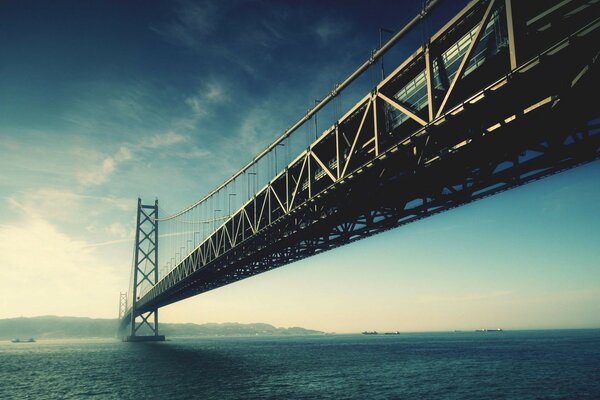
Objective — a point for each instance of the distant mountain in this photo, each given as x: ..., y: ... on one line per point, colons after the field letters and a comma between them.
x: 52, y: 327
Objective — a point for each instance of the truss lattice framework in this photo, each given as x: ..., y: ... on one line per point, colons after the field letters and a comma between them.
x: 122, y: 305
x: 145, y: 271
x: 507, y: 111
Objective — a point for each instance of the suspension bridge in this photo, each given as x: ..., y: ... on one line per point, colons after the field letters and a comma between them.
x: 502, y: 95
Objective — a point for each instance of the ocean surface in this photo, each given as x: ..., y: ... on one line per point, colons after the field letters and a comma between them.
x: 504, y: 365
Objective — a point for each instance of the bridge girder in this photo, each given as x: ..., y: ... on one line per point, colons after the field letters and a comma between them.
x: 520, y: 116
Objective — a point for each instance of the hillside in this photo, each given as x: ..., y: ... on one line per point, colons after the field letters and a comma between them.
x: 53, y: 327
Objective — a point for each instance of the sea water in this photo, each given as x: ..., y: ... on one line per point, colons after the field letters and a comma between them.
x: 562, y: 364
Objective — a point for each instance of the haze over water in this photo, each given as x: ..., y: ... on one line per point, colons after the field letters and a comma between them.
x: 467, y: 365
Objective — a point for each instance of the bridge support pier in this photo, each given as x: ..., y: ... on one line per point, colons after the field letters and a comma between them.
x: 158, y: 338
x: 145, y: 272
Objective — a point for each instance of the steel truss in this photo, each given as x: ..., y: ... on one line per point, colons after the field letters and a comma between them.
x: 369, y: 173
x: 122, y: 305
x: 145, y: 272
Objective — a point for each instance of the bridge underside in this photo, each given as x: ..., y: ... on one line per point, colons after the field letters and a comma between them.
x: 535, y: 120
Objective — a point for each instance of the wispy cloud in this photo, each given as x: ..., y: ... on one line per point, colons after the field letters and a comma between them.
x: 168, y: 141
x: 99, y: 174
x: 67, y: 216
x: 63, y: 205
x: 211, y: 93
x: 256, y: 128
x: 118, y: 230
x: 193, y: 153
x: 169, y: 138
x: 8, y: 143
x: 191, y: 23
x: 115, y: 108
x: 110, y: 242
x: 329, y: 30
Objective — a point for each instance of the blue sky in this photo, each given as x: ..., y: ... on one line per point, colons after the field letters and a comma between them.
x: 102, y: 102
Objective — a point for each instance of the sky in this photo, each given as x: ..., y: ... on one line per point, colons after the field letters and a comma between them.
x: 105, y: 101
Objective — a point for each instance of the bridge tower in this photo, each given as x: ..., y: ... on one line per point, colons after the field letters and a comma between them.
x: 145, y: 272
x: 122, y: 305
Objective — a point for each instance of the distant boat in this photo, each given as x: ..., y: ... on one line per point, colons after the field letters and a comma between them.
x: 392, y: 333
x: 17, y: 340
x: 489, y: 330
x: 370, y: 333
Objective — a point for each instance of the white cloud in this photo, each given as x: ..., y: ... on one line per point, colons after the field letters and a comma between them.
x: 130, y: 104
x: 118, y: 230
x: 194, y: 152
x: 257, y: 128
x: 53, y: 203
x: 67, y: 207
x: 214, y: 92
x: 111, y: 242
x: 43, y: 271
x: 99, y: 174
x: 211, y: 93
x: 124, y: 154
x: 123, y: 109
x: 8, y: 143
x: 169, y: 138
x: 328, y: 30
x: 196, y: 105
x: 95, y: 176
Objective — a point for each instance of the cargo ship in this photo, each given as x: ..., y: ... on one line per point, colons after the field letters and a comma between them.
x: 17, y: 340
